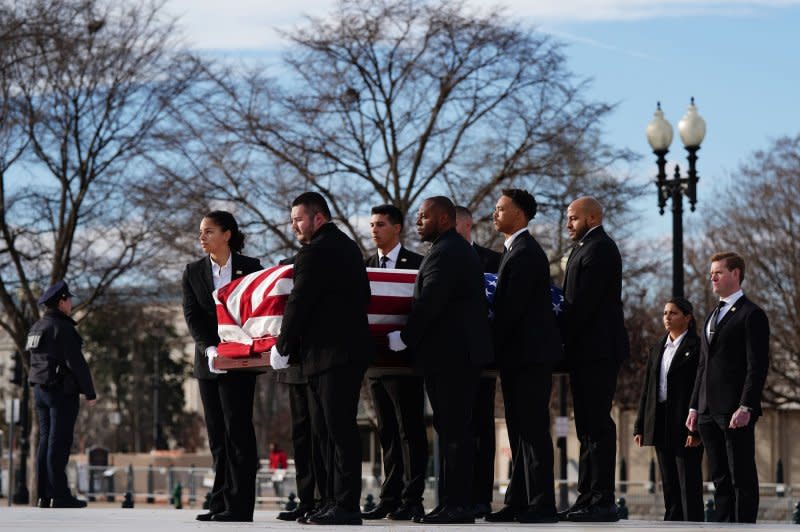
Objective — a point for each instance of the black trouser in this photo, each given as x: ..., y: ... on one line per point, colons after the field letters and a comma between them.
x: 732, y: 462
x: 681, y: 474
x: 483, y: 416
x: 336, y: 391
x: 452, y: 396
x: 228, y: 405
x: 57, y: 414
x: 400, y: 410
x: 526, y: 396
x: 593, y: 384
x: 308, y: 442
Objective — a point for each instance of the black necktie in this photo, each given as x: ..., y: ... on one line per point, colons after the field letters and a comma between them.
x: 712, y: 326
x: 384, y: 260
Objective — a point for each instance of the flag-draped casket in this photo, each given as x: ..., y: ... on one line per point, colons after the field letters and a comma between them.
x: 250, y: 311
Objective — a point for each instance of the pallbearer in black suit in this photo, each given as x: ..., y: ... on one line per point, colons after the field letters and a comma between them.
x: 726, y: 400
x: 527, y: 344
x: 668, y: 383
x: 325, y: 330
x: 483, y: 411
x: 309, y: 443
x: 448, y: 334
x: 227, y: 396
x: 595, y: 343
x: 399, y: 399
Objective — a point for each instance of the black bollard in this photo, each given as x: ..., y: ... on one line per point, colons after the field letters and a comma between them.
x: 711, y: 512
x: 623, y: 477
x: 622, y: 508
x: 151, y: 488
x: 170, y: 484
x: 127, y: 499
x: 652, y: 476
x: 796, y: 514
x: 291, y: 504
x: 177, y: 496
x: 110, y: 491
x: 369, y: 503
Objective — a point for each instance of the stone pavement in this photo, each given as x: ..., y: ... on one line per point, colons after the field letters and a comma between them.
x: 151, y: 519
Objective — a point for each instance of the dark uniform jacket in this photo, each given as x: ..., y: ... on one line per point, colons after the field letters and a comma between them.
x: 199, y: 308
x: 490, y: 259
x: 325, y: 318
x: 448, y: 326
x: 733, y: 367
x: 680, y: 382
x: 406, y: 260
x: 56, y: 357
x: 524, y: 326
x: 593, y: 321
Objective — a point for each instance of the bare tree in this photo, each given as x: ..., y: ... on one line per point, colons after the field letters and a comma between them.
x: 395, y: 100
x: 85, y: 87
x: 759, y: 217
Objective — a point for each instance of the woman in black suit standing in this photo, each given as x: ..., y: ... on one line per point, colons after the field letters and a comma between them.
x: 667, y: 388
x: 227, y: 396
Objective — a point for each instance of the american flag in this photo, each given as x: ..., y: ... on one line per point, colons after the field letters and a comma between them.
x: 250, y: 309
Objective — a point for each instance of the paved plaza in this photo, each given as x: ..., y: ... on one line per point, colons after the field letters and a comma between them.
x: 168, y: 520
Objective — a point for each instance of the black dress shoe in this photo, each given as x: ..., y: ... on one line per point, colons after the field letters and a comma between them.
x: 380, y: 511
x: 596, y: 513
x: 450, y: 515
x: 563, y: 514
x: 537, y: 514
x: 72, y: 502
x: 407, y: 512
x: 337, y: 516
x: 44, y: 502
x: 317, y: 510
x: 229, y: 517
x: 205, y: 517
x: 481, y: 510
x: 435, y: 511
x: 507, y: 514
x: 293, y: 515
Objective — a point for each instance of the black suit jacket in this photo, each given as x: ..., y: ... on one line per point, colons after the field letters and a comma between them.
x: 406, y: 260
x: 733, y: 367
x: 448, y: 325
x: 325, y: 318
x: 680, y: 383
x: 490, y: 259
x: 199, y: 308
x: 593, y: 322
x: 524, y: 327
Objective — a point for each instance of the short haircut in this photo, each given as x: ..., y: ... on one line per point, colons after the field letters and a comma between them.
x: 463, y: 212
x: 314, y: 203
x: 733, y: 261
x: 391, y: 212
x: 522, y: 199
x: 444, y: 204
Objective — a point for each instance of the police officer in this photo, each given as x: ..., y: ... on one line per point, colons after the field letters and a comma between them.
x: 59, y: 374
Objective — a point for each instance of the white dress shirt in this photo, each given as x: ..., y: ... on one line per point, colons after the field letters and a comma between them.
x: 221, y: 274
x: 391, y: 257
x: 670, y: 348
x: 729, y: 302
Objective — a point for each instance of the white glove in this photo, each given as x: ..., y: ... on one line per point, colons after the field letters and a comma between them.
x: 395, y: 342
x: 276, y: 360
x: 211, y: 354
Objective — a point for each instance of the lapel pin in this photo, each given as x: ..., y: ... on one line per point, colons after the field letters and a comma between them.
x: 403, y: 259
x: 238, y: 272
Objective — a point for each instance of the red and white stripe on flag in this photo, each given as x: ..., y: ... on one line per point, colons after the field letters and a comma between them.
x: 250, y: 309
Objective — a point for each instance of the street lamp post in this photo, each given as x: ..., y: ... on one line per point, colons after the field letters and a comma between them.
x: 692, y: 129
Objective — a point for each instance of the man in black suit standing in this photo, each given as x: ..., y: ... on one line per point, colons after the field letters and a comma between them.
x: 483, y: 410
x: 399, y: 399
x: 726, y: 401
x: 595, y: 344
x: 527, y: 344
x: 325, y: 330
x: 448, y: 334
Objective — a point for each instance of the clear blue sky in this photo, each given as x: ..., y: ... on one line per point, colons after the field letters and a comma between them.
x: 740, y: 60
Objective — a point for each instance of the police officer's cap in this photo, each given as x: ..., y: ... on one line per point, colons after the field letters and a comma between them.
x: 60, y: 290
